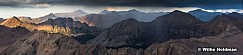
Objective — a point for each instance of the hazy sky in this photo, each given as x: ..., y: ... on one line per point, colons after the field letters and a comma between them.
x: 6, y: 11
x: 173, y: 3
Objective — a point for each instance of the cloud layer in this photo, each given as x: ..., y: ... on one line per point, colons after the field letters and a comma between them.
x: 129, y: 2
x: 169, y: 3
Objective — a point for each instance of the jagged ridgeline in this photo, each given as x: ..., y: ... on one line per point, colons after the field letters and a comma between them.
x: 176, y: 33
x: 58, y: 25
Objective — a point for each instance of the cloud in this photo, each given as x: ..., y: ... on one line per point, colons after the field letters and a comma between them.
x: 31, y: 1
x: 228, y: 10
x: 165, y: 3
x: 157, y: 2
x: 130, y: 2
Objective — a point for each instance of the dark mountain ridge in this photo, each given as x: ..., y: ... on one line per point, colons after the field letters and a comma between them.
x: 108, y: 18
x: 176, y: 25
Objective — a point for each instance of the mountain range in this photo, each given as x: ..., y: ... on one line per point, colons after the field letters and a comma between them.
x: 107, y: 18
x: 58, y: 25
x: 77, y: 13
x: 176, y: 25
x: 74, y: 14
x: 175, y: 33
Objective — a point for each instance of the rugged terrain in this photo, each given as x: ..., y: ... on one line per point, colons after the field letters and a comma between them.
x: 58, y: 25
x: 177, y: 33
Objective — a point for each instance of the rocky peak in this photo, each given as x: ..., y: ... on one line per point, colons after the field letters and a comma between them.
x: 178, y: 17
x: 128, y: 23
x: 13, y: 19
x: 11, y: 22
x: 178, y: 14
x: 51, y: 15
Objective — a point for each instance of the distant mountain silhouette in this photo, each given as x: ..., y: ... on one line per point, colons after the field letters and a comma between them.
x: 204, y: 15
x: 110, y: 18
x: 104, y: 12
x: 77, y: 13
x: 43, y: 19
